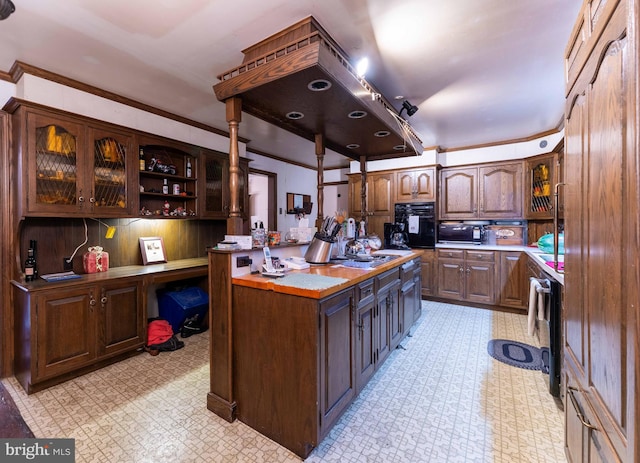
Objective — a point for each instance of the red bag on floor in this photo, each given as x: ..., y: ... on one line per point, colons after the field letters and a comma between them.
x: 158, y: 332
x: 160, y: 337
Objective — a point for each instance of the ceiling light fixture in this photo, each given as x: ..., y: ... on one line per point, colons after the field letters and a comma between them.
x: 319, y: 85
x: 411, y: 109
x: 362, y: 66
x: 6, y: 8
x: 295, y: 115
x: 353, y: 146
x: 357, y: 114
x: 382, y: 133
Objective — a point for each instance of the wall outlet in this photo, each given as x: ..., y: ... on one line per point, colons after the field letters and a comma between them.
x: 243, y: 261
x: 67, y: 264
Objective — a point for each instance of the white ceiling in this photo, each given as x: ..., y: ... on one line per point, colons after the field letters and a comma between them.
x: 480, y: 71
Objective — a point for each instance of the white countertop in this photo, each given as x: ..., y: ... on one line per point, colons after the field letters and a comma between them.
x: 533, y: 252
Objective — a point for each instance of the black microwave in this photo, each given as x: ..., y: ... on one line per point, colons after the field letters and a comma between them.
x: 458, y: 232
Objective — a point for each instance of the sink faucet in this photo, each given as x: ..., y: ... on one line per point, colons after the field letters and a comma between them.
x: 555, y: 225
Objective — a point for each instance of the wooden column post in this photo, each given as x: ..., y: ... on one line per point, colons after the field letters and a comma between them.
x: 363, y: 187
x: 320, y: 157
x: 234, y: 117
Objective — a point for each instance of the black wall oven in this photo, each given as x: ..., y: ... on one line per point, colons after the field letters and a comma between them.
x: 420, y: 223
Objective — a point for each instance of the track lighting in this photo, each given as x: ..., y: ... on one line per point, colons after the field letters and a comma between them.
x: 411, y: 109
x: 6, y: 8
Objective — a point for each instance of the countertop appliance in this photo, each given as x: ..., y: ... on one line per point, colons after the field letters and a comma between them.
x: 462, y: 232
x: 419, y: 221
x: 395, y: 236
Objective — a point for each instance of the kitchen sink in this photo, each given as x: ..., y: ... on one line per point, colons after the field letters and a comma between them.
x: 364, y: 261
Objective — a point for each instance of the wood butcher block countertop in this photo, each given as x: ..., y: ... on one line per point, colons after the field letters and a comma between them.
x: 332, y: 278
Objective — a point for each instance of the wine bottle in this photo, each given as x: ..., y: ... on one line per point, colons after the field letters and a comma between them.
x: 142, y: 161
x: 30, y: 264
x: 188, y: 170
x: 165, y: 187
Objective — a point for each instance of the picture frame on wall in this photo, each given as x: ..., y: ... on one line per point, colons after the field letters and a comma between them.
x: 152, y: 249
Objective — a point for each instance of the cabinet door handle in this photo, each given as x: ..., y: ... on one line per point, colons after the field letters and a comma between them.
x: 579, y: 414
x: 81, y: 199
x: 468, y: 269
x: 92, y: 302
x: 461, y: 269
x: 103, y: 300
x: 92, y: 200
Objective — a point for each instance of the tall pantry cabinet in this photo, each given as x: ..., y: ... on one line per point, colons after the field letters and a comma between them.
x: 601, y: 367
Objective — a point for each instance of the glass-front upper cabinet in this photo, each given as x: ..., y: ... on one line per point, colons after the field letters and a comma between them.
x: 53, y: 165
x: 72, y: 167
x: 216, y: 188
x: 540, y: 182
x: 111, y: 153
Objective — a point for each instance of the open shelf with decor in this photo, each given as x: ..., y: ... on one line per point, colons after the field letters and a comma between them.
x: 168, y: 182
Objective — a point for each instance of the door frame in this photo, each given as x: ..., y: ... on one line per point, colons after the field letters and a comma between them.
x: 272, y: 195
x: 6, y: 312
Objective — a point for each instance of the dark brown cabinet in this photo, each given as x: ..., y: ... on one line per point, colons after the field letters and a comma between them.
x: 337, y: 370
x: 293, y: 363
x: 492, y: 191
x: 388, y: 297
x: 429, y: 270
x: 512, y: 290
x: 368, y: 331
x: 540, y: 179
x: 215, y: 187
x: 377, y: 323
x: 466, y: 275
x: 71, y: 166
x: 379, y: 200
x: 410, y: 295
x: 601, y: 349
x: 415, y: 185
x: 66, y: 330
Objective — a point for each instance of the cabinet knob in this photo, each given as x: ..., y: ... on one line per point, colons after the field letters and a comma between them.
x: 92, y: 200
x: 461, y: 269
x: 81, y: 199
x: 92, y: 302
x: 468, y: 270
x: 103, y: 300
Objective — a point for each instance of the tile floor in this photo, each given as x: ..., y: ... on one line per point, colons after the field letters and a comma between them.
x: 443, y: 399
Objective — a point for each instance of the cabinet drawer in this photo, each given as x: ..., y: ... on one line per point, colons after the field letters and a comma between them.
x: 407, y: 270
x: 450, y: 254
x: 482, y: 256
x: 364, y: 292
x: 388, y: 278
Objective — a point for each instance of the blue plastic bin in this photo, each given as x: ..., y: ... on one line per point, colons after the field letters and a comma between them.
x: 177, y: 306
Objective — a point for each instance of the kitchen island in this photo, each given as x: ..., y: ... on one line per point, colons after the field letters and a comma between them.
x: 289, y: 355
